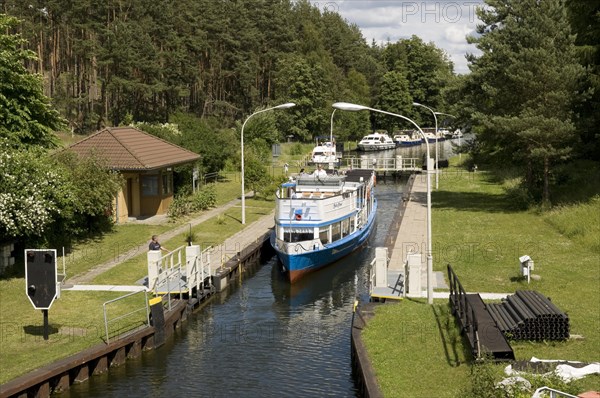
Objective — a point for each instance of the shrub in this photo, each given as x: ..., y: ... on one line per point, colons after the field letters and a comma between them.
x: 296, y: 149
x: 205, y: 198
x: 184, y: 205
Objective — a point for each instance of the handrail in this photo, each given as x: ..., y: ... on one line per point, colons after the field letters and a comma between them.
x: 385, y: 163
x: 466, y: 313
x: 553, y: 393
x: 107, y: 321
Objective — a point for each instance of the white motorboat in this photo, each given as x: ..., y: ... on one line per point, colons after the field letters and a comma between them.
x: 376, y: 142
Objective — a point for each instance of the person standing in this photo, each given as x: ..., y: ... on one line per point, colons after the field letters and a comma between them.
x: 155, y: 244
x: 319, y: 172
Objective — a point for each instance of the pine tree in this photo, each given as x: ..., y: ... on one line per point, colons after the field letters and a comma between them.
x: 26, y: 116
x: 523, y: 87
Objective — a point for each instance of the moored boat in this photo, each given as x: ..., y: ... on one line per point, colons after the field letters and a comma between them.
x: 322, y: 218
x: 376, y: 142
x: 404, y: 139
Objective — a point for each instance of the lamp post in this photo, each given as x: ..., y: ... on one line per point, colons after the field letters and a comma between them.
x: 447, y: 114
x: 282, y: 106
x: 331, y: 130
x: 354, y: 107
x: 436, y: 140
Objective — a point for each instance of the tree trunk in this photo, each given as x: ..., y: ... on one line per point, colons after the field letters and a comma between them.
x: 546, y: 193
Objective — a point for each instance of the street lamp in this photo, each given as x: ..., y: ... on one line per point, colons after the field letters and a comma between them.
x: 354, y: 108
x: 282, y: 106
x: 447, y: 114
x: 331, y: 129
x: 436, y: 140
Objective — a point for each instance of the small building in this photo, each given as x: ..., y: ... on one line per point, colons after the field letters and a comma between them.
x: 145, y: 161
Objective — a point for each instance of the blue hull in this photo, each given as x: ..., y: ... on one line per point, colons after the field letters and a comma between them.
x: 298, y: 264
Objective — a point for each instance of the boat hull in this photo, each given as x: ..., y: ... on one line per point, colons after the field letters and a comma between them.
x: 298, y: 265
x: 371, y: 147
x: 404, y: 144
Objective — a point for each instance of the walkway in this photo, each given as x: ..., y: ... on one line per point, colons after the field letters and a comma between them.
x: 412, y: 235
x: 412, y: 238
x: 248, y: 234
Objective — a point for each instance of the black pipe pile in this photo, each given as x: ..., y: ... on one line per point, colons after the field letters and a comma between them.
x: 528, y: 315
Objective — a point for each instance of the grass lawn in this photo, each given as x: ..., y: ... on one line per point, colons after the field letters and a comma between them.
x: 76, y: 322
x: 476, y: 231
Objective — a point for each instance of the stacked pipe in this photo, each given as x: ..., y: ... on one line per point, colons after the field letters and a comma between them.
x: 528, y: 315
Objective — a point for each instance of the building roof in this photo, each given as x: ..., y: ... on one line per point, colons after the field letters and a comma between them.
x: 127, y: 148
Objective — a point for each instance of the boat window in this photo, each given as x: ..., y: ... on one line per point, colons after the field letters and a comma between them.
x: 296, y: 237
x: 352, y: 224
x: 336, y: 231
x: 345, y: 227
x: 324, y: 235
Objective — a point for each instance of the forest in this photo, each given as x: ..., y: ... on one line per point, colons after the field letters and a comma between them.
x: 109, y: 62
x: 530, y: 99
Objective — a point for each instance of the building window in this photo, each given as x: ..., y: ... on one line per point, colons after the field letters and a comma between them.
x: 167, y: 183
x: 150, y: 185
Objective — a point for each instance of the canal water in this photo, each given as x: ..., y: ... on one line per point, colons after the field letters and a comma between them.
x: 262, y: 337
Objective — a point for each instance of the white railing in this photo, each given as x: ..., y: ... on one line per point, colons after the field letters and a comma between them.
x: 197, y: 267
x: 397, y: 163
x: 168, y: 274
x: 108, y: 320
x: 540, y: 392
x: 159, y: 264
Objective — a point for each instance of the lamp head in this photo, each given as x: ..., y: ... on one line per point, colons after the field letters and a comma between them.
x: 285, y: 106
x: 416, y: 104
x: 346, y: 106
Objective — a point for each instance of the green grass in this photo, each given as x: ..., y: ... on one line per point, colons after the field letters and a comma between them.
x: 416, y: 350
x: 76, y: 322
x: 211, y: 232
x: 477, y: 231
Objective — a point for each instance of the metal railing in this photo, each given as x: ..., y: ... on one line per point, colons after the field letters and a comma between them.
x: 198, y: 270
x: 388, y: 164
x: 168, y: 262
x: 168, y: 276
x: 108, y: 321
x: 553, y: 393
x: 464, y: 310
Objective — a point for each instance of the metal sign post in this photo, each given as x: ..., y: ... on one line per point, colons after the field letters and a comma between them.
x: 41, y: 280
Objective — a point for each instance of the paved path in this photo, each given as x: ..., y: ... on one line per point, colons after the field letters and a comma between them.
x: 220, y: 254
x: 225, y: 248
x: 412, y: 238
x: 412, y: 235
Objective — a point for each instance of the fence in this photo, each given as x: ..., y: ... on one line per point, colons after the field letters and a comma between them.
x: 129, y: 314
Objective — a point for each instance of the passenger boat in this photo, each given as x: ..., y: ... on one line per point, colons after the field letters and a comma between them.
x: 320, y: 219
x: 376, y: 142
x: 406, y: 139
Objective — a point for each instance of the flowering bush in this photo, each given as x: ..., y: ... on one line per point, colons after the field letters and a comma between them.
x: 31, y: 193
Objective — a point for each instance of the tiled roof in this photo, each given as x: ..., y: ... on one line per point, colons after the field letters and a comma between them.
x: 127, y: 148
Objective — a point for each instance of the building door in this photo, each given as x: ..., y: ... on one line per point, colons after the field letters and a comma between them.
x: 129, y: 197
